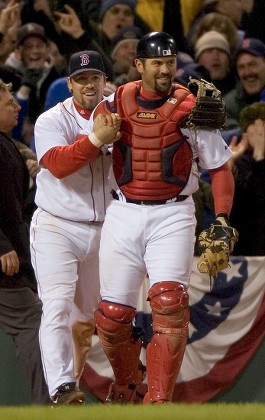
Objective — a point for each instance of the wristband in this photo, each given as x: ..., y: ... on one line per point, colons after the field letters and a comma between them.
x: 94, y: 140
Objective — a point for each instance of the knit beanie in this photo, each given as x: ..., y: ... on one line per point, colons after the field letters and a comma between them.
x: 211, y: 39
x: 250, y: 114
x: 132, y: 33
x: 107, y: 4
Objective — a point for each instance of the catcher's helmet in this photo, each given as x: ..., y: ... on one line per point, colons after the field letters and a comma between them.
x: 156, y: 44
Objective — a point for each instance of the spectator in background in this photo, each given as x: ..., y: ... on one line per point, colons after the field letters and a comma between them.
x: 20, y: 307
x: 9, y: 25
x: 68, y: 25
x: 248, y: 211
x: 31, y: 161
x: 233, y: 9
x: 213, y: 62
x: 124, y: 52
x: 31, y: 58
x: 40, y: 12
x: 212, y: 51
x: 220, y: 23
x: 116, y: 14
x: 98, y: 36
x: 250, y: 68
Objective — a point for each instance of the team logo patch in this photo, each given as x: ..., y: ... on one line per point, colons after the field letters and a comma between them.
x: 167, y: 52
x: 147, y: 115
x: 172, y: 101
x: 84, y: 60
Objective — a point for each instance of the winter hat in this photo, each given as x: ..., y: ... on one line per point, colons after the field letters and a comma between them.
x: 30, y: 29
x: 250, y: 114
x: 107, y: 4
x: 211, y: 39
x: 128, y: 33
x: 85, y: 61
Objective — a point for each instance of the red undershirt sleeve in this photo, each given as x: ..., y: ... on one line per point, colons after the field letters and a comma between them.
x: 62, y: 161
x: 223, y: 186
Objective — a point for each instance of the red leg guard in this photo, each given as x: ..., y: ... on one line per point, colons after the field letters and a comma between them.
x: 114, y: 327
x: 170, y: 313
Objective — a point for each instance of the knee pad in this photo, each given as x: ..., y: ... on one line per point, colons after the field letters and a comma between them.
x: 170, y: 306
x: 114, y: 321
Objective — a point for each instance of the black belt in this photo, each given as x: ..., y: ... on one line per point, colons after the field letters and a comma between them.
x: 150, y: 202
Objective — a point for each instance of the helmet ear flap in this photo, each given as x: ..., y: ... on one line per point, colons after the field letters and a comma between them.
x: 156, y: 44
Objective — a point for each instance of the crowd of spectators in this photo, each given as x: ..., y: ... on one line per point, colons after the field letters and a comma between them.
x: 221, y: 41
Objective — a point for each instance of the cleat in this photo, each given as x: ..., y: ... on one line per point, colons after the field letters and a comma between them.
x: 68, y: 394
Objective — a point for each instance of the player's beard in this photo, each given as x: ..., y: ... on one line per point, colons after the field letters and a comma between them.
x: 90, y: 103
x: 163, y: 86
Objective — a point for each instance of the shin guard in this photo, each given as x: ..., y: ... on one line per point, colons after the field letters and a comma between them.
x: 122, y: 347
x: 170, y: 313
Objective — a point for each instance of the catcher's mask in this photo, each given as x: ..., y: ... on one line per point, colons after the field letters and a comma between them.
x: 156, y: 44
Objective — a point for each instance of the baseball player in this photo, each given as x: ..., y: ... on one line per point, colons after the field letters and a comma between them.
x: 72, y: 196
x: 150, y: 224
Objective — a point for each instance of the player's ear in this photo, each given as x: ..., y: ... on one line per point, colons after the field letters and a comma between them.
x: 139, y: 65
x: 69, y: 84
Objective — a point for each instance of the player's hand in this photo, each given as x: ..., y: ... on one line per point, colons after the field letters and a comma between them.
x: 107, y: 127
x: 10, y: 263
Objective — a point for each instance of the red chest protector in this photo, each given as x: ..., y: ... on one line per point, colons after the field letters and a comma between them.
x: 152, y: 161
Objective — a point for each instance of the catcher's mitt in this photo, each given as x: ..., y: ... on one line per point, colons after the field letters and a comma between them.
x: 216, y: 244
x: 209, y: 112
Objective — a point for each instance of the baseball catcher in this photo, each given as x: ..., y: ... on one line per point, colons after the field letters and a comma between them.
x: 209, y: 111
x: 155, y: 169
x: 216, y: 245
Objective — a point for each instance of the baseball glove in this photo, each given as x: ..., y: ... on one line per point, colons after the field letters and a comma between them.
x: 216, y: 245
x: 209, y: 112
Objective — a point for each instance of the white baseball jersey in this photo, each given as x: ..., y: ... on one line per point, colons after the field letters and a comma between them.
x: 82, y: 196
x: 65, y: 234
